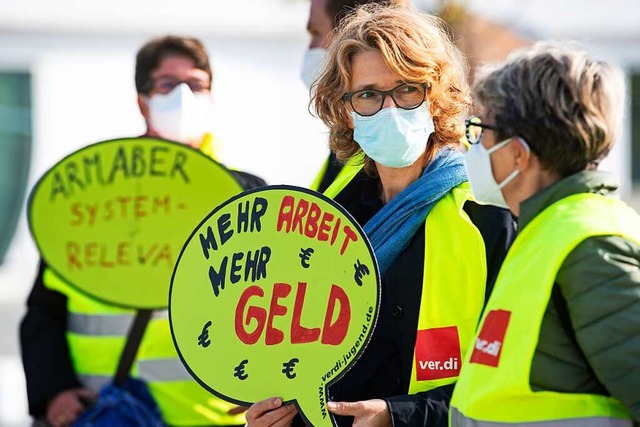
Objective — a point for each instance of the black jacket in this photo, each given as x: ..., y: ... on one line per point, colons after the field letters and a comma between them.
x: 384, y: 369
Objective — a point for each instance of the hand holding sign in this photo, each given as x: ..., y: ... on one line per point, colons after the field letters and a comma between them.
x: 286, y: 286
x: 111, y: 217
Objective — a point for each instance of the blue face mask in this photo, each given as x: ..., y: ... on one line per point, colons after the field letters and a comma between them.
x: 394, y: 137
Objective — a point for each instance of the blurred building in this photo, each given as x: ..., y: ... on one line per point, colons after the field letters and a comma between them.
x: 486, y: 31
x: 481, y: 40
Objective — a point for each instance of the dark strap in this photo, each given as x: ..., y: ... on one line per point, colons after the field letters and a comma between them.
x: 136, y: 332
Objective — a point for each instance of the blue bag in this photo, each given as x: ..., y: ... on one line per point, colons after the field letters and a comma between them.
x: 128, y: 405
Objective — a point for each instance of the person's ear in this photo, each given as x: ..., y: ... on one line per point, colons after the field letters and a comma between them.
x: 523, y: 154
x: 350, y: 121
x: 143, y: 107
x: 348, y: 110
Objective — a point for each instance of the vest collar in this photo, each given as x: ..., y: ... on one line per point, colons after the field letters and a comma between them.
x: 598, y: 182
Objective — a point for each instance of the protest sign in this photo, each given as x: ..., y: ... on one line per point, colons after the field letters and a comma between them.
x: 275, y: 293
x: 111, y: 218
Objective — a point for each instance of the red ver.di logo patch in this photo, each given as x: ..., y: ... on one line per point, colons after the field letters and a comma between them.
x: 437, y: 353
x: 488, y: 345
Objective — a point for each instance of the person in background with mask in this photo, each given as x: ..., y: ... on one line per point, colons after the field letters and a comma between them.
x: 173, y: 80
x: 324, y: 17
x: 394, y: 90
x: 559, y: 344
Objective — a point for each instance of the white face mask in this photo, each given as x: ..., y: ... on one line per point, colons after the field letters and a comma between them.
x: 477, y: 162
x: 311, y: 64
x: 394, y: 137
x: 180, y: 115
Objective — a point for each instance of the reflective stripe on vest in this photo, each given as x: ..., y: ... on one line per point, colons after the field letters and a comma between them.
x: 96, y: 325
x: 105, y: 325
x: 96, y: 335
x: 453, y: 290
x: 494, y: 386
x: 170, y: 369
x: 459, y: 420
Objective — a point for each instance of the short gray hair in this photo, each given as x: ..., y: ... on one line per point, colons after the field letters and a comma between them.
x: 567, y: 106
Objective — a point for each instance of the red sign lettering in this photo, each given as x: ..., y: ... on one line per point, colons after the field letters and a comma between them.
x: 308, y: 219
x: 334, y: 329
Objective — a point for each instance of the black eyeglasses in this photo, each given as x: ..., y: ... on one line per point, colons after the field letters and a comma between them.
x: 368, y: 102
x: 474, y: 128
x: 164, y: 85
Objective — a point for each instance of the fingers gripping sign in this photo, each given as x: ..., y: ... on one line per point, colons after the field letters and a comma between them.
x: 270, y: 412
x: 269, y: 275
x: 369, y: 413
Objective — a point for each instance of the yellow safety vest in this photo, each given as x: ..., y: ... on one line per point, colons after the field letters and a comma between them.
x: 494, y: 387
x: 210, y: 146
x: 453, y: 289
x: 96, y: 335
x: 348, y: 171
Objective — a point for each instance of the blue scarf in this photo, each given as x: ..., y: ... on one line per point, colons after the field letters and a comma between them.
x: 391, y: 229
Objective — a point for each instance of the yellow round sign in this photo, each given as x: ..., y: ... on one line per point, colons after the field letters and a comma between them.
x: 111, y: 218
x: 275, y: 293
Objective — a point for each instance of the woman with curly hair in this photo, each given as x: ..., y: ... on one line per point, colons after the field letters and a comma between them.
x: 394, y: 92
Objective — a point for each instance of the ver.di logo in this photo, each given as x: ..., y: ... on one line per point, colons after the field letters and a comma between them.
x: 488, y: 345
x: 437, y: 353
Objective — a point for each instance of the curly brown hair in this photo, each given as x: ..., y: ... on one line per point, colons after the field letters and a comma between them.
x: 417, y: 47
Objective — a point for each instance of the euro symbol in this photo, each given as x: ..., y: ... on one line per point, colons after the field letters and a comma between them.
x: 240, y: 371
x: 288, y: 368
x: 304, y: 255
x: 203, y: 338
x: 361, y: 270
